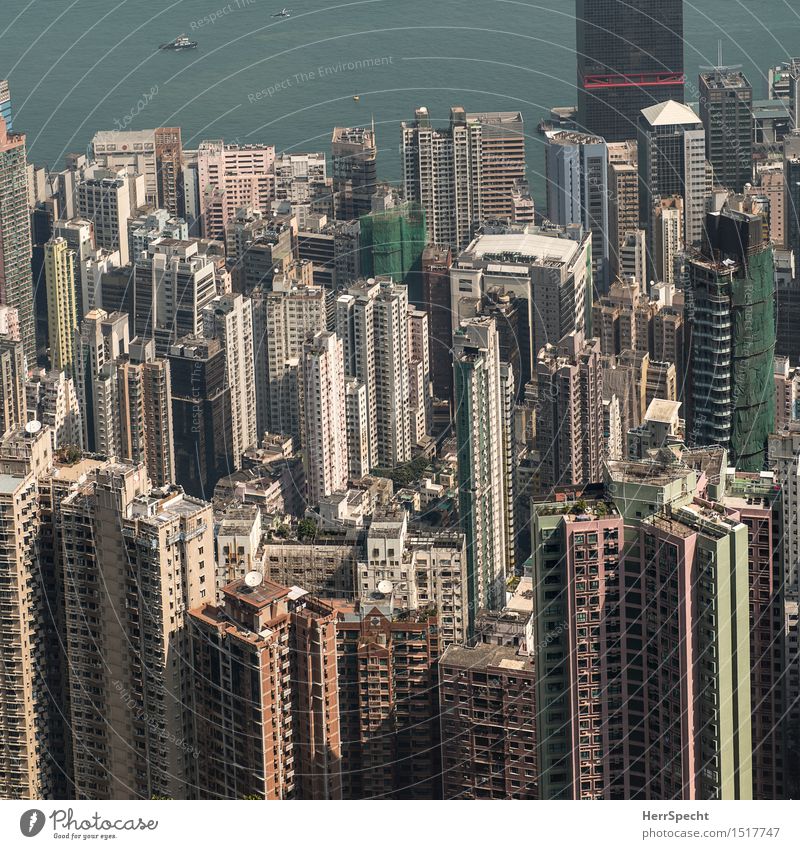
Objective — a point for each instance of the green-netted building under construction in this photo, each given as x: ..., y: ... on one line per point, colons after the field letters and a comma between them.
x: 731, y: 312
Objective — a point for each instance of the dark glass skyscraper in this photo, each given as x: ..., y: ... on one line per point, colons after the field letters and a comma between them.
x: 630, y: 56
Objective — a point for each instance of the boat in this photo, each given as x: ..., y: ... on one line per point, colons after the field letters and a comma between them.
x: 356, y: 98
x: 181, y: 43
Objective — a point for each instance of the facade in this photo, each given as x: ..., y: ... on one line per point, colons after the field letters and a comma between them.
x: 733, y: 339
x: 480, y: 432
x: 354, y: 156
x: 16, y: 281
x: 324, y: 415
x: 62, y: 317
x: 229, y: 318
x: 436, y: 262
x: 578, y: 193
x: 629, y: 57
x: 265, y: 667
x: 726, y: 109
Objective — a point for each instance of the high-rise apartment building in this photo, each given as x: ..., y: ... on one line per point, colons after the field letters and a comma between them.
x: 12, y: 383
x: 62, y: 317
x: 732, y: 325
x: 436, y: 262
x: 324, y: 416
x: 150, y: 559
x: 16, y: 281
x: 25, y: 767
x: 372, y: 321
x: 354, y: 156
x: 229, y: 318
x: 726, y: 109
x: 169, y: 169
x: 283, y: 319
x: 630, y: 56
x: 578, y: 192
x: 480, y: 432
x: 464, y: 174
x: 672, y: 161
x: 623, y: 198
x: 53, y: 401
x: 173, y: 283
x: 144, y: 390
x: 6, y: 111
x: 230, y: 177
x: 569, y: 431
x: 265, y: 673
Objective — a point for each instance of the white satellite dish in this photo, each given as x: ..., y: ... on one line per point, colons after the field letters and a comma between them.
x: 253, y: 579
x: 33, y: 427
x: 385, y: 587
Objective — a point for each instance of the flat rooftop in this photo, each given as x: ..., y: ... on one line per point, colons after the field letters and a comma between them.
x: 535, y: 246
x: 484, y: 656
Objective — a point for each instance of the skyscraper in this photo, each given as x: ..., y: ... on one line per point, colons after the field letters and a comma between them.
x: 354, y: 156
x: 481, y: 462
x: 672, y: 161
x: 16, y: 281
x: 325, y: 417
x: 731, y: 297
x: 578, y: 192
x: 62, y: 318
x: 630, y: 56
x: 726, y: 109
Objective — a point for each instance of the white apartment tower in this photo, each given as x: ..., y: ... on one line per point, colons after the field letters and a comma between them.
x: 324, y: 415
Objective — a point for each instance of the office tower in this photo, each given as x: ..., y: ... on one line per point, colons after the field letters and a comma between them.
x: 436, y: 262
x: 102, y: 338
x: 62, y: 317
x: 201, y: 414
x: 668, y: 238
x: 300, y: 177
x: 545, y: 267
x: 672, y: 161
x: 732, y: 325
x: 791, y: 175
x: 388, y: 701
x: 464, y: 174
x: 758, y: 504
x: 264, y: 664
x: 108, y: 199
x: 145, y: 411
x: 133, y: 151
x: 12, y: 383
x: 569, y: 429
x: 53, y: 401
x: 25, y: 768
x: 232, y: 176
x: 629, y: 57
x: 726, y: 109
x: 578, y: 192
x: 283, y: 318
x: 229, y: 318
x: 173, y: 283
x: 16, y: 282
x: 169, y: 169
x: 150, y: 561
x: 354, y: 157
x: 324, y: 415
x: 392, y: 241
x: 144, y: 229
x: 6, y: 110
x: 577, y: 548
x: 480, y: 441
x: 333, y: 247
x: 372, y: 322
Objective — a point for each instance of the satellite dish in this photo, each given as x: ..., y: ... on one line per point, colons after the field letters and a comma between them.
x: 33, y: 427
x: 385, y: 587
x: 253, y: 579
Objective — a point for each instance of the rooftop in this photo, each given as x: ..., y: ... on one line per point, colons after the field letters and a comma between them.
x: 670, y: 113
x: 532, y: 247
x: 485, y: 655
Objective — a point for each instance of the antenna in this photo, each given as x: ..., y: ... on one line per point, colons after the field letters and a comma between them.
x: 385, y: 587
